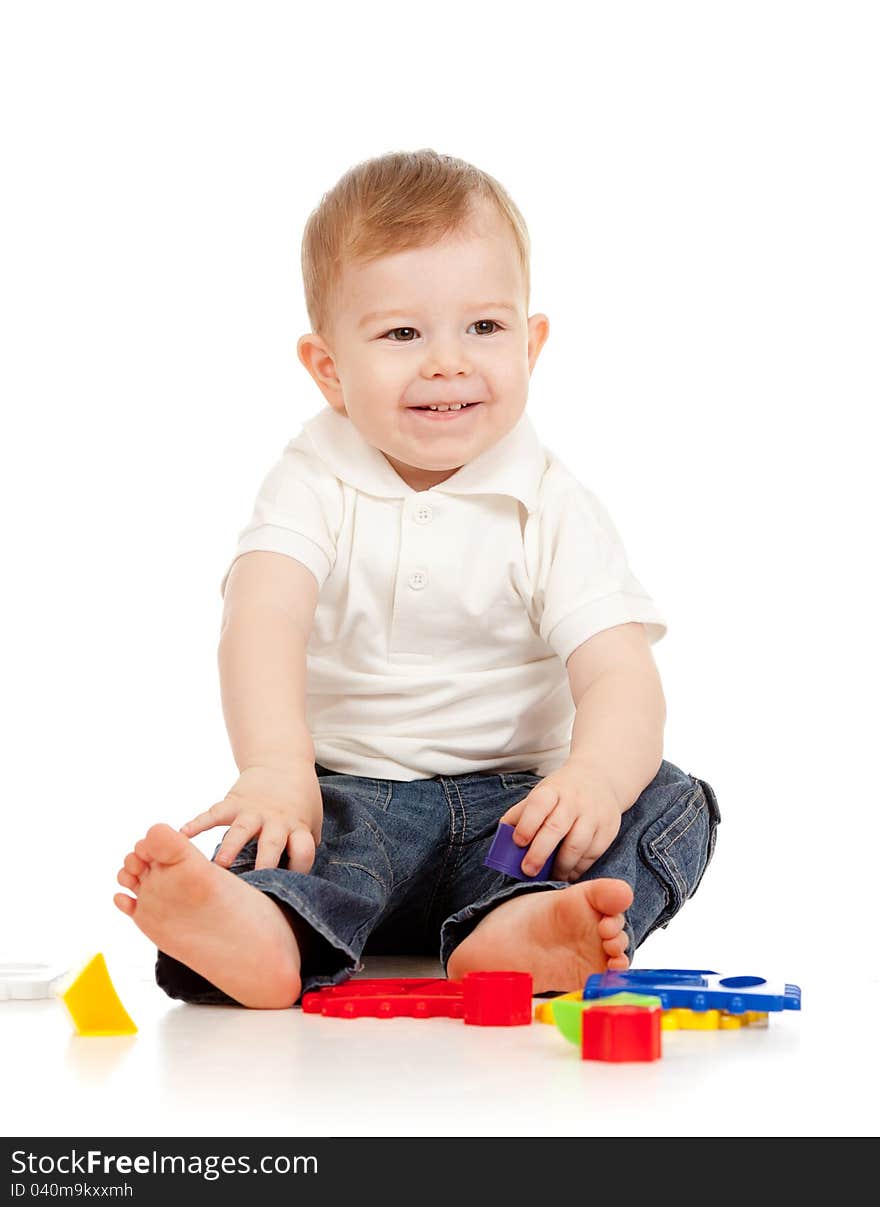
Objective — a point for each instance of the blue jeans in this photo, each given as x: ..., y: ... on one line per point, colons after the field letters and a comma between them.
x: 399, y: 869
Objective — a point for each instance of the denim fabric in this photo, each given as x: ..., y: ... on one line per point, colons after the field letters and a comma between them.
x: 399, y: 869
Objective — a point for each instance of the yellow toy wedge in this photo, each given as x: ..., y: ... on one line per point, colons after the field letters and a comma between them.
x: 92, y: 1002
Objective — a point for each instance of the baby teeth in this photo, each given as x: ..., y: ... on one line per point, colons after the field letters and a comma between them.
x: 456, y: 406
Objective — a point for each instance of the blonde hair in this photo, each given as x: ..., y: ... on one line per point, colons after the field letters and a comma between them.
x: 393, y: 203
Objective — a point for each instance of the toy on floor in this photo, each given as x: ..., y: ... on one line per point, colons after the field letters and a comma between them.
x: 92, y: 1002
x: 679, y: 1019
x: 505, y: 856
x: 27, y: 981
x: 392, y: 997
x: 568, y: 1014
x: 568, y: 1021
x: 497, y: 999
x: 697, y: 990
x: 618, y: 1033
x: 682, y: 1000
x: 481, y: 999
x: 544, y: 1010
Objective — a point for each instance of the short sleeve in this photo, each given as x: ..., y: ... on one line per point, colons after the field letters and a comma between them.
x: 582, y: 582
x: 297, y: 512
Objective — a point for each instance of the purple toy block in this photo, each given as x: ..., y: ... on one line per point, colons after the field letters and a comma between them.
x: 505, y: 856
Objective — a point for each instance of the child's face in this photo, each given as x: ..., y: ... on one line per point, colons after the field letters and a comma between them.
x: 450, y: 337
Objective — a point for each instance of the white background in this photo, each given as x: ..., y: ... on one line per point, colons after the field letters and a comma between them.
x: 700, y: 182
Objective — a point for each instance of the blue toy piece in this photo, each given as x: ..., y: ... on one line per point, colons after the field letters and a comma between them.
x: 505, y: 856
x: 697, y: 990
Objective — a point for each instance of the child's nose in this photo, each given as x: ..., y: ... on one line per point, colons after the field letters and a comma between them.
x: 446, y: 357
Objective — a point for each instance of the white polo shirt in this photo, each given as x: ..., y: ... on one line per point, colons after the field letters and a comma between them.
x: 444, y: 616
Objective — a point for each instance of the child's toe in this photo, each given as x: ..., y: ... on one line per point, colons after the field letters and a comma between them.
x: 610, y: 926
x: 134, y: 864
x: 616, y: 946
x: 127, y: 880
x: 164, y: 843
x: 126, y: 904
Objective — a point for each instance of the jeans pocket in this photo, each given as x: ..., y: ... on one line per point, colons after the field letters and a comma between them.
x: 518, y: 779
x: 714, y: 822
x: 678, y: 846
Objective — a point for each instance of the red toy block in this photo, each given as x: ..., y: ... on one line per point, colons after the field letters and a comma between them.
x: 390, y: 997
x: 497, y: 999
x: 618, y: 1033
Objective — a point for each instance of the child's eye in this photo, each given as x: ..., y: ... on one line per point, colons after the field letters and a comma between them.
x: 478, y: 323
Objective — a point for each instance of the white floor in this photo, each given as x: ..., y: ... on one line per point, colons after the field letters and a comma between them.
x: 225, y: 1071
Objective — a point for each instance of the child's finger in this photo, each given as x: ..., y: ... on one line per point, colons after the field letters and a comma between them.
x: 301, y: 849
x: 220, y: 814
x: 576, y: 845
x: 537, y: 807
x: 242, y: 830
x: 548, y: 837
x: 273, y: 839
x: 584, y: 864
x: 513, y: 814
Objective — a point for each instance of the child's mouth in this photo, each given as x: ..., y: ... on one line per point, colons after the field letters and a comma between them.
x: 439, y: 416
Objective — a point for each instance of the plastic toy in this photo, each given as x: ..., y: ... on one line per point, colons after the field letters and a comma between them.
x: 385, y: 986
x: 568, y: 1015
x: 679, y: 1019
x: 93, y: 1004
x: 544, y: 1010
x: 505, y: 856
x: 392, y: 997
x: 30, y: 981
x: 497, y: 999
x: 619, y: 1033
x: 697, y: 990
x: 483, y: 999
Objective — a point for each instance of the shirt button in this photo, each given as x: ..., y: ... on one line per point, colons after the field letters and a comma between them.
x: 423, y: 514
x: 418, y: 579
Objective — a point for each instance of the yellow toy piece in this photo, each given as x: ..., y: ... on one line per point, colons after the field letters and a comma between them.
x: 751, y: 1018
x: 93, y: 1004
x: 544, y: 1010
x: 680, y: 1019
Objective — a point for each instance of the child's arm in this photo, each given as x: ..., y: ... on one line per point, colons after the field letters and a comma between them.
x: 616, y: 750
x: 269, y: 608
x: 621, y: 710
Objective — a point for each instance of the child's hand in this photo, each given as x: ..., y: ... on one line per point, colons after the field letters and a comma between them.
x: 284, y: 807
x: 567, y: 804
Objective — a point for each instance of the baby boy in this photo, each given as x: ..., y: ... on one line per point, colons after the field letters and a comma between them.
x: 429, y: 626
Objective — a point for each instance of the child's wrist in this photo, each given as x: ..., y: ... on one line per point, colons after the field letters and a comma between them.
x: 280, y: 762
x: 594, y: 772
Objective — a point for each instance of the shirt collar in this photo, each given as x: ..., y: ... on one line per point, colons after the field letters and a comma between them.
x: 512, y: 466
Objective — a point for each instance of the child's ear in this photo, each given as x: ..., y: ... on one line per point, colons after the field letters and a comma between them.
x: 539, y: 329
x: 317, y: 356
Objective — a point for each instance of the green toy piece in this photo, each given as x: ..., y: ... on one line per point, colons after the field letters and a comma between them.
x: 567, y: 1014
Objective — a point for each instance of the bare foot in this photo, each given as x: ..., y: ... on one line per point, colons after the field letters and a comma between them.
x: 560, y: 936
x: 211, y: 920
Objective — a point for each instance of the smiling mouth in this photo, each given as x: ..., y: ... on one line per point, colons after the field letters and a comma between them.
x: 446, y: 408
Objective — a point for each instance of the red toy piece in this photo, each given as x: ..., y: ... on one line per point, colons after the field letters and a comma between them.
x: 391, y: 997
x: 498, y: 999
x: 618, y: 1033
x: 484, y: 999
